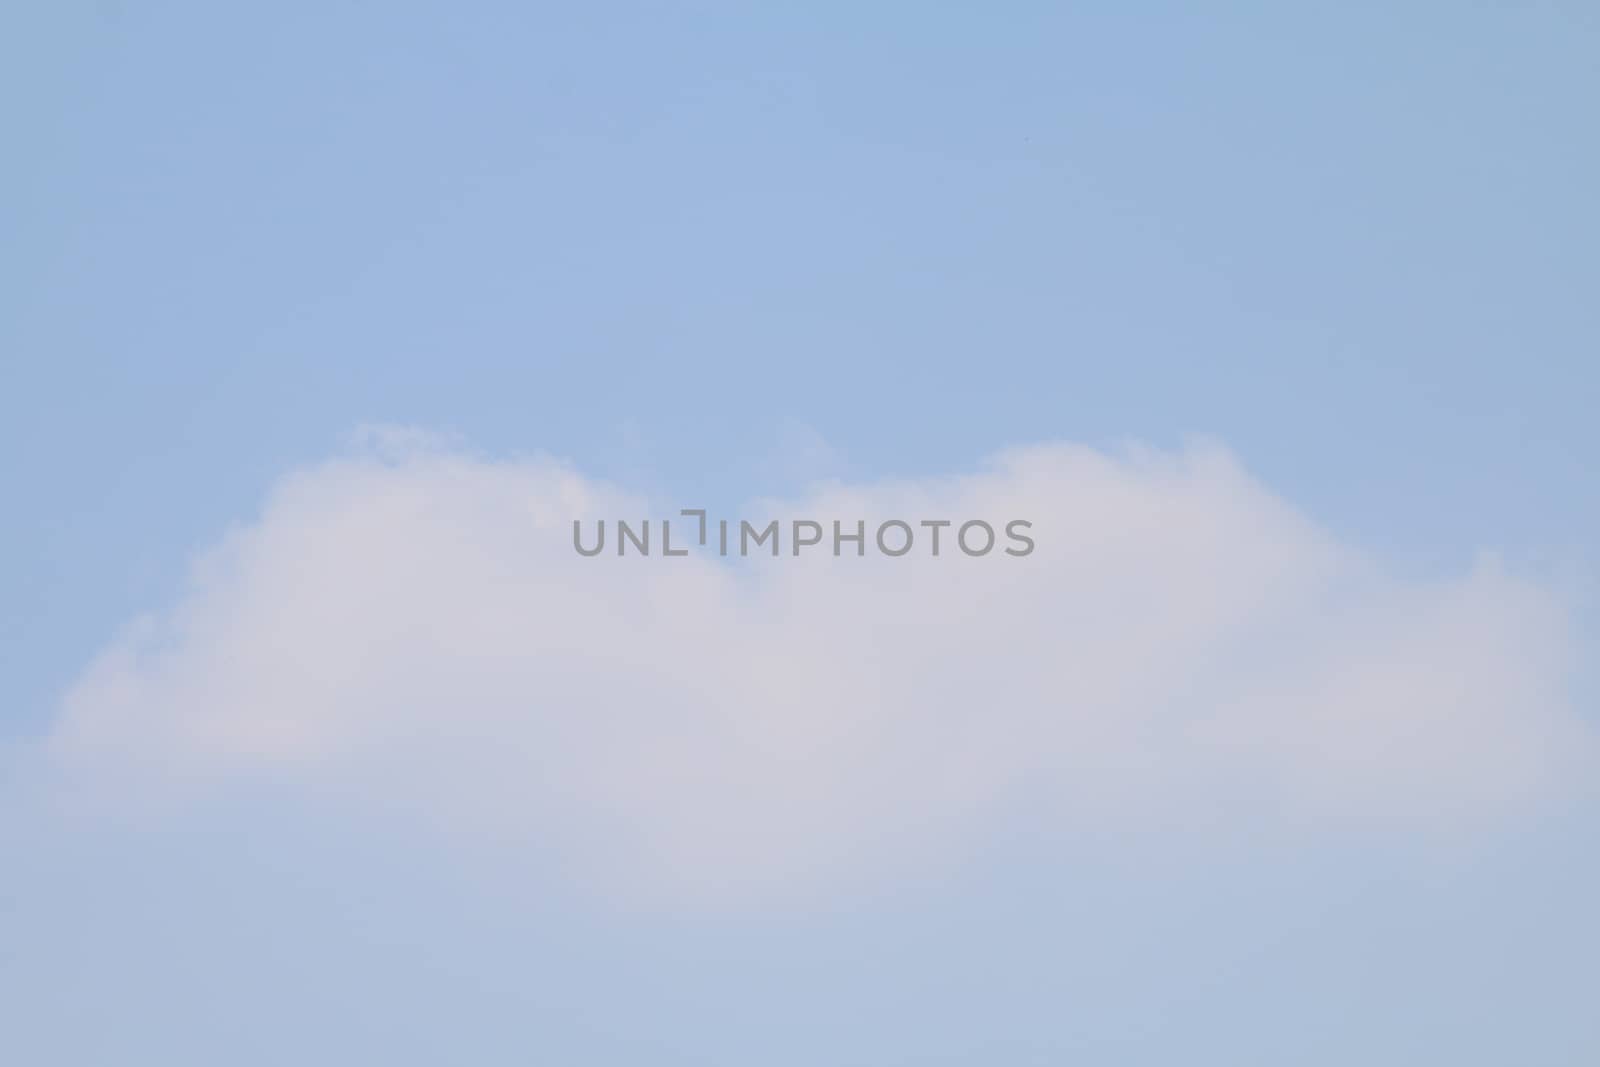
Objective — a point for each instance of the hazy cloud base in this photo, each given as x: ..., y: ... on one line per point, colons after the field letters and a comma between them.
x: 409, y: 625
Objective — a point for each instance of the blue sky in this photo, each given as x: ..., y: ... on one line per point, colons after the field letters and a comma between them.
x: 715, y: 253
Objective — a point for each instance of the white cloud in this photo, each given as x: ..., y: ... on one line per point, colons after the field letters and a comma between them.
x: 415, y: 628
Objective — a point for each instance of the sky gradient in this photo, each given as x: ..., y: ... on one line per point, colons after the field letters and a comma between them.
x: 1293, y: 311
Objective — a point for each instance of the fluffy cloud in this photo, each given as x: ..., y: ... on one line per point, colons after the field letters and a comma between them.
x: 414, y: 629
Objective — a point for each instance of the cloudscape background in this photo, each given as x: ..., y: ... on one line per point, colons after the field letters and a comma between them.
x: 319, y: 325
